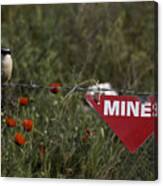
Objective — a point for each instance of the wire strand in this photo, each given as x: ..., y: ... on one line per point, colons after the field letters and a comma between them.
x: 76, y: 88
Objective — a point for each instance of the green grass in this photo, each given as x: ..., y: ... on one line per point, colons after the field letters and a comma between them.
x: 72, y: 44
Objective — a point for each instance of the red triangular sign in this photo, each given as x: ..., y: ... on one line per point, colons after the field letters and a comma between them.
x: 130, y: 119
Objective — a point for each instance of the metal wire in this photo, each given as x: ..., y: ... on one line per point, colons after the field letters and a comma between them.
x: 77, y: 88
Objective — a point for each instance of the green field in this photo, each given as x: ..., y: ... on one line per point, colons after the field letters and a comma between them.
x: 75, y: 44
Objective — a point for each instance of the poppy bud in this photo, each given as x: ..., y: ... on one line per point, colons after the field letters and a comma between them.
x: 84, y: 138
x: 42, y: 150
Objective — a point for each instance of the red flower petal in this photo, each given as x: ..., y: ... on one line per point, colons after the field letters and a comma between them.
x: 19, y: 139
x: 23, y: 101
x: 27, y: 124
x: 55, y: 87
x: 11, y: 122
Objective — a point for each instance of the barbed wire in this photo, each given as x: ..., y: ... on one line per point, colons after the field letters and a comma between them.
x: 77, y: 88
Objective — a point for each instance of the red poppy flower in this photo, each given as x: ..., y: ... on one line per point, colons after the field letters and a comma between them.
x: 11, y: 122
x: 19, y: 139
x: 23, y: 101
x: 55, y: 87
x: 27, y: 124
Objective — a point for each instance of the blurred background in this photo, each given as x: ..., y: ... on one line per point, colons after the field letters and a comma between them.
x: 72, y: 44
